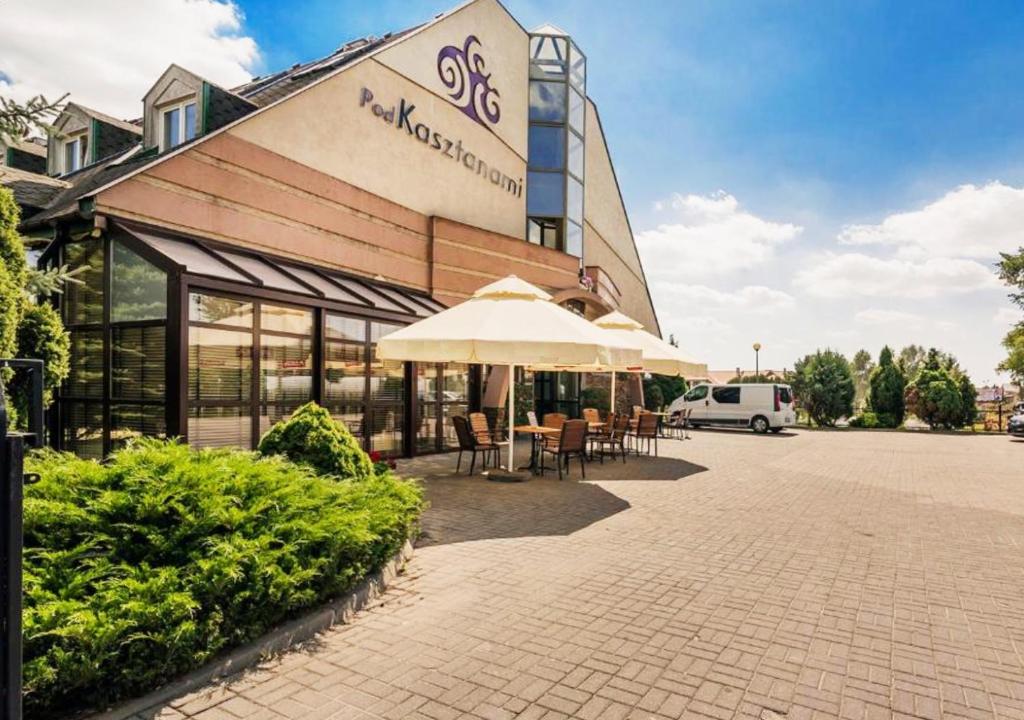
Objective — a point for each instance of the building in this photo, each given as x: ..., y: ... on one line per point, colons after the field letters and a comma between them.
x: 246, y: 247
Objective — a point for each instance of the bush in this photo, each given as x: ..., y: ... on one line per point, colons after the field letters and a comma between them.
x: 144, y: 568
x: 865, y: 420
x: 595, y: 396
x: 312, y: 437
x: 41, y: 335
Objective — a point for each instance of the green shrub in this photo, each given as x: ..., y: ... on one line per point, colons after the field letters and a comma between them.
x: 887, y: 385
x: 144, y: 568
x: 312, y: 437
x: 595, y: 396
x: 41, y: 335
x: 865, y: 420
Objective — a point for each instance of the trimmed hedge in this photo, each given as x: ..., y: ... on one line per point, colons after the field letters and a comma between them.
x: 146, y: 567
x: 311, y: 436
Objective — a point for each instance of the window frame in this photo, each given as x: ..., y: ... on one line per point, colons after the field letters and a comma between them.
x: 80, y: 140
x: 181, y: 106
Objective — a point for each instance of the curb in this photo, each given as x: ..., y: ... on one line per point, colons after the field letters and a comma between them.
x: 338, y: 612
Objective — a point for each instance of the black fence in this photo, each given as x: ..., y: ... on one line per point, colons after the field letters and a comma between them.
x: 12, y: 452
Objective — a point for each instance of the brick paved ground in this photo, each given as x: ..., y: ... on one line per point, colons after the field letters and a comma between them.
x: 818, y: 575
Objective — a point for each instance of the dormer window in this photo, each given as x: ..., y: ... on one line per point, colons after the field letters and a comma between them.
x: 75, y: 153
x: 179, y: 125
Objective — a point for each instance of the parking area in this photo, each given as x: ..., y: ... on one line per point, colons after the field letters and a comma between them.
x: 810, y: 574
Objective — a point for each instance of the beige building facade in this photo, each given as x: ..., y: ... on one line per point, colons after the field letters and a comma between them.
x: 287, y: 224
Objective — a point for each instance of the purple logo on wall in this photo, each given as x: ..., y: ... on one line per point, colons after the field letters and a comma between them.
x: 462, y: 72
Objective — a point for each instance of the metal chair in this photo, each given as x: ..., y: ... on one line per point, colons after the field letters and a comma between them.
x: 614, y: 436
x: 468, y: 442
x: 646, y: 430
x: 571, y: 441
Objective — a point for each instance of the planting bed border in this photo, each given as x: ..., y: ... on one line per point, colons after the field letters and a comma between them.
x: 338, y: 612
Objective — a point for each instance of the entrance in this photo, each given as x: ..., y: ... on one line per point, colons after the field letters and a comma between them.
x: 557, y: 392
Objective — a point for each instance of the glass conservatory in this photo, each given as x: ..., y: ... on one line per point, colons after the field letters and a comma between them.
x: 174, y: 336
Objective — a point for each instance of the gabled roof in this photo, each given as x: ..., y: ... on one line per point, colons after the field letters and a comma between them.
x: 104, y: 118
x: 31, y: 190
x: 265, y: 90
x: 32, y: 146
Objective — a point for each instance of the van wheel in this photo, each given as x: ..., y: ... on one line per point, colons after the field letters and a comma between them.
x: 760, y: 424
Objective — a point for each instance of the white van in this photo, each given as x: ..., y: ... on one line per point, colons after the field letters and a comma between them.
x: 760, y: 407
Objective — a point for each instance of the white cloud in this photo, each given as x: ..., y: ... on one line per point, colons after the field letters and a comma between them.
x: 712, y: 232
x: 1006, y: 316
x: 752, y: 298
x: 879, y: 316
x: 107, y: 53
x: 967, y: 222
x: 855, y: 274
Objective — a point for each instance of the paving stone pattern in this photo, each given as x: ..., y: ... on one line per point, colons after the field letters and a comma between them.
x: 806, y: 575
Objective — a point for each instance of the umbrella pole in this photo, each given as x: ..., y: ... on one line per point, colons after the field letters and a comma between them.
x: 613, y: 392
x: 511, y: 416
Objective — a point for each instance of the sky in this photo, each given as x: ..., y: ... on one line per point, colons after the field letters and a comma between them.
x: 803, y: 174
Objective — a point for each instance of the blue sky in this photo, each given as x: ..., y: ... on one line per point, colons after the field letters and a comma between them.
x: 804, y: 174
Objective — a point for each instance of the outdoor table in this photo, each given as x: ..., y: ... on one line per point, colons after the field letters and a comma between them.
x: 535, y: 431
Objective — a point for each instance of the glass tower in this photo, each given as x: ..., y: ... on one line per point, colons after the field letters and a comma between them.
x: 555, y: 172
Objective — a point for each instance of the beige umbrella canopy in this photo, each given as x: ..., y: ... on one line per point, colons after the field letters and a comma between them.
x: 659, y: 357
x: 509, y: 322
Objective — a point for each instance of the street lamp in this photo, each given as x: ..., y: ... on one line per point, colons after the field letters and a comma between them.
x: 757, y: 365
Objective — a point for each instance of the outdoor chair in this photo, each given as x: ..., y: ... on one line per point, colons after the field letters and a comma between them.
x: 554, y: 420
x: 645, y: 431
x: 468, y: 442
x: 614, y: 437
x: 675, y: 424
x: 592, y: 415
x: 531, y: 418
x: 571, y: 441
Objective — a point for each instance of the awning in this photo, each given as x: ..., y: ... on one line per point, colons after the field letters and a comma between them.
x: 247, y: 267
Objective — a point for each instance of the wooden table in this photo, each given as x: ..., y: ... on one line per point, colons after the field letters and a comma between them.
x: 535, y: 431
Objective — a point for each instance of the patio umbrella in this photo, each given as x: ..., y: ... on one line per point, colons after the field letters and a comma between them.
x: 509, y: 322
x: 660, y: 357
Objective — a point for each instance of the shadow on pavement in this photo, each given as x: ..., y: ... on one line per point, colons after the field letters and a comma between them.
x: 469, y: 507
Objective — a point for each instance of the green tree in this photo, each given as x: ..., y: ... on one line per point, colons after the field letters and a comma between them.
x: 887, y: 384
x: 1011, y: 272
x: 667, y: 386
x: 934, y: 397
x: 26, y: 330
x: 862, y: 366
x: 968, y: 400
x: 910, y: 359
x: 824, y: 386
x: 18, y: 119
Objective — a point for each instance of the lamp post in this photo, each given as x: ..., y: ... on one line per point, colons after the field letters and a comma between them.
x: 757, y: 365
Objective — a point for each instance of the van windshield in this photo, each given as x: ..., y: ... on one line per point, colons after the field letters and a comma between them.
x: 698, y: 393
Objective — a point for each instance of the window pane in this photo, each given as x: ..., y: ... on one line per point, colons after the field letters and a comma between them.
x: 427, y: 382
x: 352, y: 416
x: 575, y: 155
x: 286, y: 370
x: 71, y: 156
x: 387, y: 381
x: 545, y: 193
x: 547, y: 101
x: 138, y: 289
x: 577, y: 114
x: 456, y: 382
x: 190, y: 121
x: 545, y: 232
x: 382, y: 298
x: 547, y: 147
x: 448, y: 411
x: 730, y: 395
x: 574, y: 240
x: 426, y: 430
x: 128, y: 422
x: 85, y: 378
x: 220, y: 310
x: 345, y: 374
x: 387, y: 430
x: 84, y: 299
x: 266, y: 272
x: 219, y: 364
x: 577, y: 67
x: 219, y: 427
x: 341, y: 327
x: 83, y: 151
x: 83, y: 429
x: 380, y: 329
x: 329, y: 289
x: 575, y: 204
x: 172, y: 118
x: 548, y: 57
x: 286, y: 319
x: 138, y: 363
x: 194, y: 258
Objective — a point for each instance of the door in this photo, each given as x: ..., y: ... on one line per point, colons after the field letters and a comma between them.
x: 696, y: 399
x: 725, y: 407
